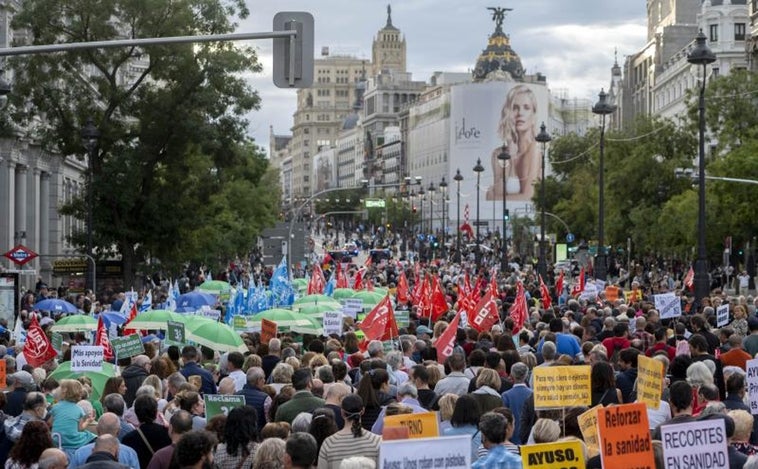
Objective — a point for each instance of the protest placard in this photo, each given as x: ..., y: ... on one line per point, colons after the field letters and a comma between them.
x: 562, y: 386
x: 751, y: 366
x: 216, y: 404
x: 695, y: 444
x: 128, y: 346
x: 214, y: 314
x: 668, y: 305
x: 403, y: 318
x: 564, y: 455
x: 56, y: 340
x: 423, y: 425
x: 649, y: 381
x: 175, y: 332
x: 722, y: 315
x: 588, y: 426
x: 352, y: 306
x: 87, y: 358
x: 332, y: 322
x: 625, y: 436
x: 268, y: 330
x: 239, y: 323
x: 450, y: 452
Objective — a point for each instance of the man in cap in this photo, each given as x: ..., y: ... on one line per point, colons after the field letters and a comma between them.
x: 20, y: 383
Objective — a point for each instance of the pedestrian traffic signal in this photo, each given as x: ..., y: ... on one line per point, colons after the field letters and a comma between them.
x: 506, y: 215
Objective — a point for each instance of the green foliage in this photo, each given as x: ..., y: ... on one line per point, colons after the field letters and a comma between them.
x: 174, y: 177
x: 731, y: 109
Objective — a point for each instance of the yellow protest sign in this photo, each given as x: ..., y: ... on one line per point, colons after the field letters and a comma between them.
x: 562, y: 386
x: 649, y: 381
x: 588, y: 426
x: 566, y: 454
x: 423, y: 425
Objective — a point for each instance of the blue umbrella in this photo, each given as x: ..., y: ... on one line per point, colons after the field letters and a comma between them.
x: 112, y: 317
x: 194, y: 300
x: 56, y: 305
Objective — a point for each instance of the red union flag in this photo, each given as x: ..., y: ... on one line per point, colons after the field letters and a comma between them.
x: 559, y: 285
x: 101, y: 338
x: 689, y: 279
x: 380, y: 323
x: 403, y: 295
x: 545, y: 292
x: 37, y: 349
x: 485, y: 313
x: 520, y: 310
x: 446, y: 341
x: 317, y: 282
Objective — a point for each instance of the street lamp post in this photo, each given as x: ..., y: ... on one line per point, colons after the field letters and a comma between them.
x: 601, y: 108
x: 504, y: 157
x: 90, y: 136
x: 544, y: 138
x: 701, y: 55
x: 421, y: 200
x: 458, y: 178
x: 431, y: 189
x: 443, y: 189
x: 478, y: 169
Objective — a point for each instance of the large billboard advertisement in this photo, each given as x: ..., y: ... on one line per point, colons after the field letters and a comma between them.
x: 324, y: 170
x: 484, y: 117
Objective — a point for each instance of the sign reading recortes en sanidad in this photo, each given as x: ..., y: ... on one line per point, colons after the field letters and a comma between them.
x: 450, y: 452
x: 128, y: 346
x: 221, y: 404
x: 562, y: 386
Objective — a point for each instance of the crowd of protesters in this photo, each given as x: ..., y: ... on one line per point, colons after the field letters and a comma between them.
x: 321, y: 401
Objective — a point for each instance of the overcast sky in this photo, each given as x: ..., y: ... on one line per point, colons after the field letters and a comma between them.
x: 572, y: 42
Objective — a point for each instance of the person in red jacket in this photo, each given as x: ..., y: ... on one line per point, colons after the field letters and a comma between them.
x: 660, y: 344
x: 618, y: 342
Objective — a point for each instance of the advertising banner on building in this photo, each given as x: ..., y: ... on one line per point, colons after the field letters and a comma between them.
x: 485, y: 119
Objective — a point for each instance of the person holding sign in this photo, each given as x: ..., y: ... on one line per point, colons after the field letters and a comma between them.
x: 493, y: 427
x: 352, y: 440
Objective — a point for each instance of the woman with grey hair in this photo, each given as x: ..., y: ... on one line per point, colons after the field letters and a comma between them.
x: 395, y: 361
x: 281, y: 376
x: 302, y: 422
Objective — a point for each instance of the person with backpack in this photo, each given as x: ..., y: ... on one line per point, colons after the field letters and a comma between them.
x: 620, y: 341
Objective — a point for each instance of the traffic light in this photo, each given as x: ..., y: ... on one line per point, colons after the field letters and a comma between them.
x: 413, y: 209
x: 295, y: 71
x: 507, y: 215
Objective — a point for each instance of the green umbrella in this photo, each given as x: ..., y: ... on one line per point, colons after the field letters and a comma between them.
x: 284, y: 318
x: 382, y: 290
x: 98, y: 377
x: 215, y: 286
x: 300, y: 283
x: 342, y: 293
x: 331, y: 305
x: 308, y: 299
x: 369, y: 297
x: 319, y: 309
x: 215, y: 335
x: 75, y: 323
x: 155, y: 319
x: 314, y: 327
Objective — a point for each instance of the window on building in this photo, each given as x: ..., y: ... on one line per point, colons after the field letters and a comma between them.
x: 739, y: 31
x: 714, y: 32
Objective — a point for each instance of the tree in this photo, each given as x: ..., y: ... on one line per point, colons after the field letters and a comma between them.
x: 174, y: 176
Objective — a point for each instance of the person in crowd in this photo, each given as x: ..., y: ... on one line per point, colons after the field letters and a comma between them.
x: 273, y: 357
x: 181, y: 423
x: 105, y: 454
x: 300, y: 451
x: 254, y: 395
x: 134, y: 375
x: 35, y: 409
x: 195, y: 450
x: 493, y: 428
x: 743, y: 427
x: 515, y: 397
x: 323, y: 425
x: 407, y: 394
x: 603, y: 382
x: 109, y: 424
x: 352, y: 439
x: 113, y: 385
x: 487, y: 392
x: 149, y: 436
x: 234, y: 362
x: 240, y: 440
x: 20, y: 383
x: 34, y: 439
x: 69, y: 420
x: 190, y: 357
x: 455, y: 382
x: 302, y: 401
x: 465, y: 421
x: 334, y: 396
x: 680, y: 400
x: 426, y: 396
x: 270, y: 454
x: 736, y: 356
x: 193, y: 403
x: 115, y: 404
x: 628, y: 375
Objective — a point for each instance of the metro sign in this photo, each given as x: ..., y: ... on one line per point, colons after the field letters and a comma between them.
x: 20, y: 255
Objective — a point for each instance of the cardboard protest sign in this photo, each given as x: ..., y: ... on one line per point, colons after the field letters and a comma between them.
x: 695, y: 444
x: 625, y: 439
x: 129, y: 346
x: 332, y: 322
x: 649, y: 381
x: 562, y: 386
x: 423, y: 425
x: 722, y: 315
x: 175, y: 332
x: 588, y: 426
x: 87, y: 358
x: 668, y: 305
x: 564, y: 455
x: 268, y: 330
x: 752, y: 384
x: 450, y: 452
x: 216, y: 404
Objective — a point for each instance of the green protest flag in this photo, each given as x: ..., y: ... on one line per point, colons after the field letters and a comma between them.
x: 175, y: 332
x: 128, y: 346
